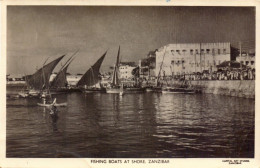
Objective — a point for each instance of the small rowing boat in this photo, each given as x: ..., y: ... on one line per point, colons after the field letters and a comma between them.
x: 49, y: 105
x: 52, y: 104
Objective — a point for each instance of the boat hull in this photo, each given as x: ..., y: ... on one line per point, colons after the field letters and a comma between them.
x: 154, y: 89
x: 93, y: 90
x: 178, y: 90
x: 134, y: 90
x: 23, y: 94
x: 48, y: 105
x: 34, y: 93
x: 64, y: 90
x: 113, y: 90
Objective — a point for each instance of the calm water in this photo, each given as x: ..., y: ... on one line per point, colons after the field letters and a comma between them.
x: 135, y: 125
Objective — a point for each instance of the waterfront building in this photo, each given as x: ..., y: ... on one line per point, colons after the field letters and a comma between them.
x: 126, y: 69
x: 247, y: 59
x: 72, y: 79
x: 15, y: 79
x: 187, y: 58
x: 147, y: 66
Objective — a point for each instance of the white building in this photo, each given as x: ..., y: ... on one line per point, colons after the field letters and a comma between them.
x: 176, y: 59
x: 247, y: 59
x: 72, y: 79
x: 125, y: 70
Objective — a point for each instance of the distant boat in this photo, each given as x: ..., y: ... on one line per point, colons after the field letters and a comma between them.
x: 183, y: 88
x: 39, y: 81
x: 153, y: 89
x: 158, y: 86
x: 178, y: 90
x: 90, y: 81
x: 114, y: 87
x: 136, y: 87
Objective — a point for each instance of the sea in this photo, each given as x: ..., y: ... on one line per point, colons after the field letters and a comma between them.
x: 140, y: 125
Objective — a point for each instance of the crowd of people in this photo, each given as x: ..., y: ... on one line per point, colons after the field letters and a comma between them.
x: 235, y: 74
x: 225, y: 74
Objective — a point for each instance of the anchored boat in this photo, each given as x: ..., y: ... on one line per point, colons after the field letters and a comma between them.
x: 178, y: 90
x: 90, y: 81
x: 60, y: 83
x: 114, y: 87
x: 39, y: 81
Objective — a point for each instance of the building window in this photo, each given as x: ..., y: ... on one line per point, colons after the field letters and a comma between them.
x: 218, y: 51
x: 224, y: 51
x: 202, y: 51
x: 208, y: 50
x: 191, y: 52
x: 242, y: 62
x: 172, y: 51
x: 178, y: 51
x: 172, y: 62
x: 252, y: 62
x: 197, y: 51
x: 183, y: 51
x: 247, y: 62
x: 213, y: 51
x: 182, y: 61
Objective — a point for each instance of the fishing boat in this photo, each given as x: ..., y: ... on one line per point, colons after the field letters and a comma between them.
x: 184, y: 87
x: 134, y: 90
x: 158, y: 86
x: 114, y: 86
x: 136, y: 87
x: 44, y: 104
x: 90, y: 81
x: 38, y: 82
x: 153, y: 89
x: 178, y: 90
x: 60, y: 83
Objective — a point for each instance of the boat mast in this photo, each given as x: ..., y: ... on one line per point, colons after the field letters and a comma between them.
x: 44, y: 80
x: 161, y: 67
x: 171, y: 76
x: 115, y: 80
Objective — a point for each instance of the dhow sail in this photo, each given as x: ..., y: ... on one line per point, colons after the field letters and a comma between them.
x: 61, y: 78
x: 41, y: 77
x: 91, y: 77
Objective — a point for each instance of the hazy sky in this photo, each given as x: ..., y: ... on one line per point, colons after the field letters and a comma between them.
x: 36, y: 33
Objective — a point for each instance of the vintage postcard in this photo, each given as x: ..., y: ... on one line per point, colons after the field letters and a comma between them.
x: 129, y: 84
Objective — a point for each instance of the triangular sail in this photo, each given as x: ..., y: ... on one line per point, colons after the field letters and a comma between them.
x: 91, y: 77
x: 41, y: 77
x: 61, y: 78
x: 115, y: 79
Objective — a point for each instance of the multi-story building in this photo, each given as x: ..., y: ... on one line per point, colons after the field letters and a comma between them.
x: 176, y: 59
x: 147, y: 66
x: 126, y: 69
x: 247, y: 59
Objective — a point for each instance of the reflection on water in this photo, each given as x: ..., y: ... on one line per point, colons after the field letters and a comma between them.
x: 135, y: 125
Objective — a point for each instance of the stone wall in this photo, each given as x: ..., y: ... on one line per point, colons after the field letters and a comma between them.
x: 238, y: 88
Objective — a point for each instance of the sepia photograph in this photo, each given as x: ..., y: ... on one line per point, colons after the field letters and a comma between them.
x: 130, y: 81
